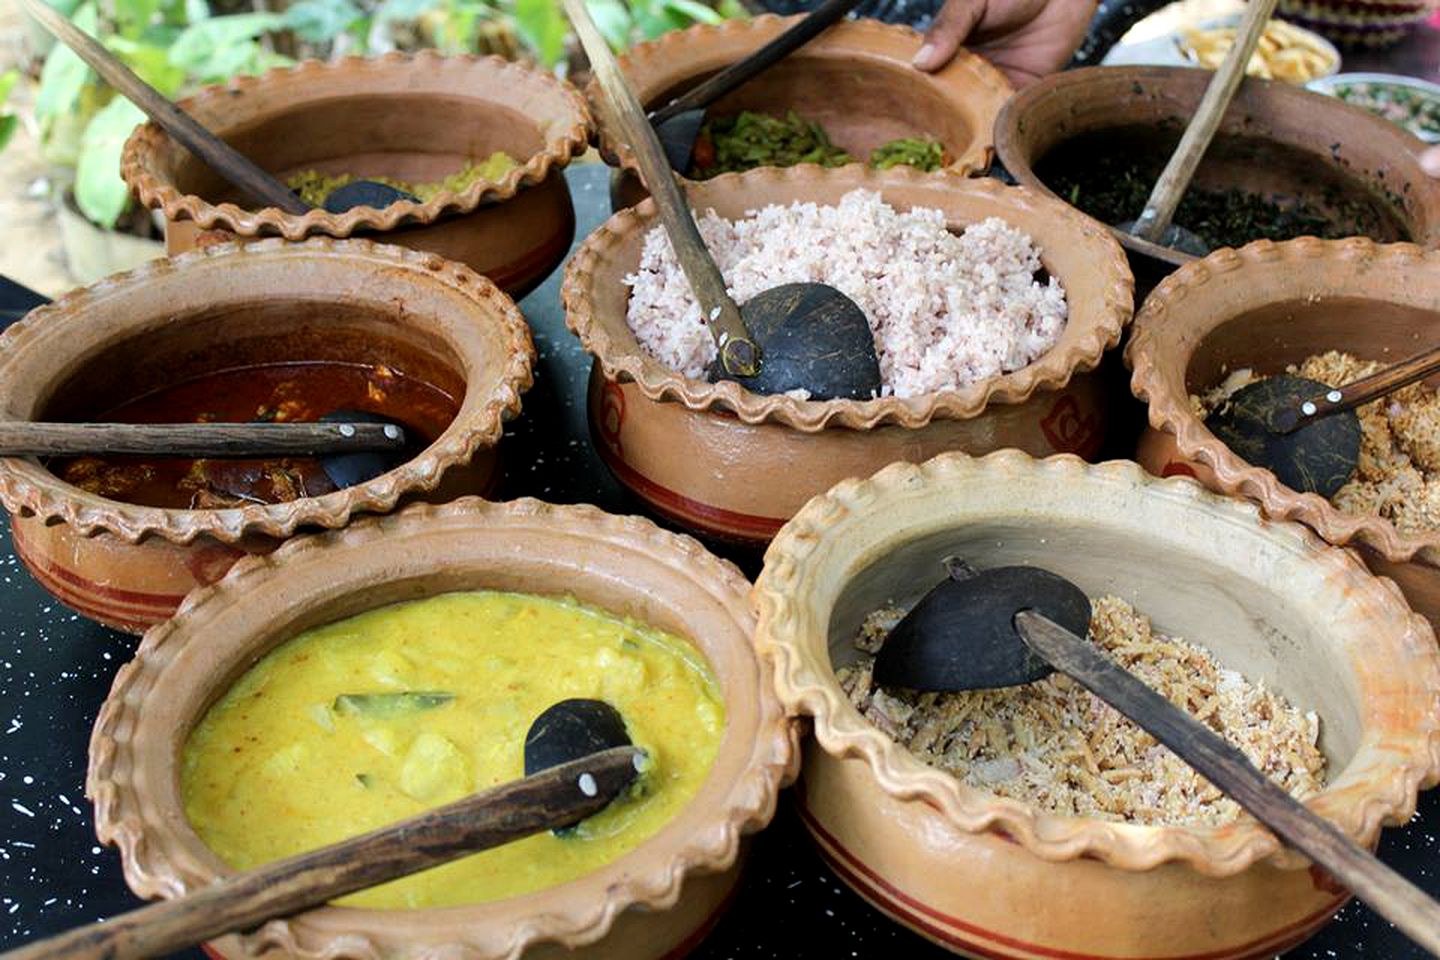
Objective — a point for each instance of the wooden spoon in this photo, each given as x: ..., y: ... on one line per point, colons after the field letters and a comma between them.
x: 1305, y: 432
x: 1154, y: 222
x: 559, y: 797
x: 999, y: 628
x: 678, y: 122
x: 216, y: 440
x: 799, y: 336
x: 239, y: 170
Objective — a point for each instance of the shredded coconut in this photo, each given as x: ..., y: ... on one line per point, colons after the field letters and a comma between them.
x: 946, y: 310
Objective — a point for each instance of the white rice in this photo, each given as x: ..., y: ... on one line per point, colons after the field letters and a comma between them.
x: 946, y: 310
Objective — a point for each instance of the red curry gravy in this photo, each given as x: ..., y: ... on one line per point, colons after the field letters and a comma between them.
x: 284, y: 392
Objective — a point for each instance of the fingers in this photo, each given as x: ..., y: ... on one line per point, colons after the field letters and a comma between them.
x: 951, y: 28
x: 1430, y: 161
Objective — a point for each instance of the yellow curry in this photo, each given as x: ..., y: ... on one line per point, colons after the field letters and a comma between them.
x: 366, y: 721
x: 314, y: 186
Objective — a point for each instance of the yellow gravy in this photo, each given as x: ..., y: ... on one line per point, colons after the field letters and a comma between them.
x: 360, y: 723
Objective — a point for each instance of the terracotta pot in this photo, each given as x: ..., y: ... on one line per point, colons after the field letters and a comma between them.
x: 655, y: 901
x: 1275, y: 139
x: 997, y: 878
x: 129, y: 566
x: 696, y: 452
x: 1267, y: 306
x: 855, y: 79
x: 413, y: 117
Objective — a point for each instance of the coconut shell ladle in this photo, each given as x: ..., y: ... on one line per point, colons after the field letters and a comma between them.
x: 234, y: 166
x: 579, y: 784
x: 1014, y: 625
x: 1305, y: 432
x: 1154, y: 223
x: 798, y: 336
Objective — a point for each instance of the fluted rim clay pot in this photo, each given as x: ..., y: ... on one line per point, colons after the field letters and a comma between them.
x: 968, y: 93
x: 1361, y: 153
x: 556, y: 111
x: 1196, y: 301
x: 1270, y: 599
x: 624, y: 564
x: 1074, y: 248
x: 216, y: 296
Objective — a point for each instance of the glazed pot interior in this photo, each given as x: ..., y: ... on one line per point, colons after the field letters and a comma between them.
x: 416, y: 138
x: 1208, y: 586
x: 861, y: 103
x: 1270, y: 338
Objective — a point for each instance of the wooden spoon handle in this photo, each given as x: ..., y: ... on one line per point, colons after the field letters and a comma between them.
x: 738, y: 352
x: 1360, y: 392
x: 549, y: 800
x: 236, y: 440
x: 1175, y: 178
x: 742, y: 71
x: 224, y: 159
x: 1387, y: 892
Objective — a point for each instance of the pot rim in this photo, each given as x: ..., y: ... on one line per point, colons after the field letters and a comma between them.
x: 27, y: 488
x: 1100, y: 324
x: 969, y: 81
x: 140, y: 161
x: 163, y: 859
x: 1152, y: 360
x: 1408, y: 758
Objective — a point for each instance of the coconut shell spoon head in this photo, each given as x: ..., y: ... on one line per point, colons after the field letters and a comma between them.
x: 1007, y: 626
x: 1304, y: 432
x: 554, y: 797
x: 257, y: 185
x: 802, y: 336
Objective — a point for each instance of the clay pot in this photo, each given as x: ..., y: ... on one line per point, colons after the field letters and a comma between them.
x: 129, y: 566
x: 417, y: 118
x: 992, y: 877
x: 855, y: 80
x: 1267, y: 306
x: 1276, y: 139
x: 735, y: 465
x: 658, y: 900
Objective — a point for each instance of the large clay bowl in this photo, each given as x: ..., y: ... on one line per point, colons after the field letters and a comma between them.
x: 656, y: 901
x: 734, y: 465
x: 129, y: 566
x: 1267, y: 306
x: 997, y: 878
x: 417, y: 118
x: 1275, y: 139
x: 855, y: 79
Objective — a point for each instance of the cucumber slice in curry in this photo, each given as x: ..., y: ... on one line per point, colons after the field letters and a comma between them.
x: 385, y: 705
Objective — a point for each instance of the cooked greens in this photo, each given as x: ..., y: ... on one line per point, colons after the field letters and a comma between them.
x: 748, y: 140
x: 918, y: 152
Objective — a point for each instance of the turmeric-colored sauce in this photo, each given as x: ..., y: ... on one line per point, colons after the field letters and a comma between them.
x: 376, y: 718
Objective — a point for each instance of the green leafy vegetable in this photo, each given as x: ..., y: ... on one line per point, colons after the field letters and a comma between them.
x: 383, y: 706
x: 749, y: 140
x: 921, y: 153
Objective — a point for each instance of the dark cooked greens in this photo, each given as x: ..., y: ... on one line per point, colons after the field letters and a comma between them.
x: 749, y: 140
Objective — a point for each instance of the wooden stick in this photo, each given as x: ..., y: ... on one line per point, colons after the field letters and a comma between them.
x: 1357, y: 394
x: 234, y: 440
x: 738, y: 352
x: 742, y: 71
x: 224, y: 159
x: 1387, y: 892
x: 556, y: 798
x: 1175, y: 178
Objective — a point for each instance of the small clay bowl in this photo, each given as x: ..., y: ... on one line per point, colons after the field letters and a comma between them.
x: 734, y: 465
x: 1267, y: 306
x: 987, y: 876
x: 129, y: 566
x: 855, y: 80
x: 417, y: 118
x: 658, y: 900
x: 1276, y: 139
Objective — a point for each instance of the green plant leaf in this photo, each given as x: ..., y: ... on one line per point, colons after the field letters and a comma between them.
x: 208, y: 48
x: 64, y: 74
x: 8, y: 125
x: 99, y: 192
x: 404, y: 11
x: 612, y: 18
x: 321, y: 21
x: 542, y: 28
x: 7, y: 83
x: 196, y: 10
x: 697, y: 12
x: 132, y: 17
x: 151, y: 63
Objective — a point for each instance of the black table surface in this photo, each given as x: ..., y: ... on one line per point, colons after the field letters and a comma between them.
x: 56, y: 669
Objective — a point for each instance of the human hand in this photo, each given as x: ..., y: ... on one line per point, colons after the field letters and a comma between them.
x: 1026, y: 39
x: 1430, y: 161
